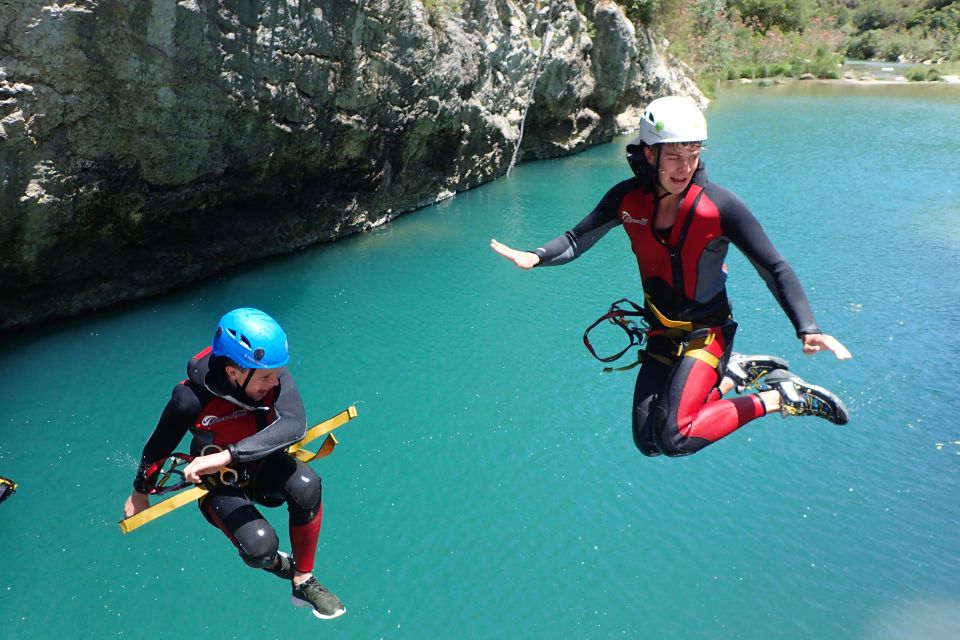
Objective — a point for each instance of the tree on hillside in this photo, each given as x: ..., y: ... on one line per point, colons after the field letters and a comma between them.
x: 786, y: 15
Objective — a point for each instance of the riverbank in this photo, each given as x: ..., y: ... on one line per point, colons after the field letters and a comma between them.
x: 863, y: 80
x: 869, y: 72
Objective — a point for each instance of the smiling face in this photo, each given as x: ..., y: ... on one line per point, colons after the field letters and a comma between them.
x: 261, y: 382
x: 678, y: 163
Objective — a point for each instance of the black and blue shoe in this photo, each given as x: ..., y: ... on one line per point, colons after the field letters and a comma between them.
x: 799, y: 398
x: 748, y: 372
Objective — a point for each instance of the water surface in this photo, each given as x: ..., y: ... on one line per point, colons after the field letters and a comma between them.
x: 490, y: 487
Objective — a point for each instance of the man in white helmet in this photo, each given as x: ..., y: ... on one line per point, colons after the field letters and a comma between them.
x: 680, y: 227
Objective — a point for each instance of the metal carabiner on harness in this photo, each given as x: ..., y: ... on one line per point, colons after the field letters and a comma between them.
x: 228, y: 475
x: 166, y: 475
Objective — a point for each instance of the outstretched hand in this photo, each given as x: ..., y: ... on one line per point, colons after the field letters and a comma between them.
x: 523, y: 259
x: 814, y: 342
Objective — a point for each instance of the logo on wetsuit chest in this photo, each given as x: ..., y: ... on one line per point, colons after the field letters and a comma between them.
x: 628, y: 219
x: 211, y: 420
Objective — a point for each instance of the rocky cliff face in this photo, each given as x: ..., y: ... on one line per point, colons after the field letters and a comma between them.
x: 147, y: 144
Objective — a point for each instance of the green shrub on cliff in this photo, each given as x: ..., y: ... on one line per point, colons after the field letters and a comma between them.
x: 641, y: 11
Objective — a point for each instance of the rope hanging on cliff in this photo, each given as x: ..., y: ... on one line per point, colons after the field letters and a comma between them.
x: 547, y: 39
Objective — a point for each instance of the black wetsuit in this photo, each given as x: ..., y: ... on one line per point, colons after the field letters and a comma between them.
x: 677, y: 407
x: 257, y: 435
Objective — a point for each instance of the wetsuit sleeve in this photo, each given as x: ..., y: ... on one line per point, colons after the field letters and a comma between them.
x: 743, y: 229
x: 289, y: 425
x: 574, y: 243
x: 177, y: 416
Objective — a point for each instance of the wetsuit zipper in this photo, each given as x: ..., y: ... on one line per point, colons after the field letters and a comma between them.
x: 676, y: 262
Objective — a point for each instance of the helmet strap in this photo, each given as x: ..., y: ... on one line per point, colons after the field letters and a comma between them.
x: 246, y: 380
x: 658, y: 148
x: 238, y: 385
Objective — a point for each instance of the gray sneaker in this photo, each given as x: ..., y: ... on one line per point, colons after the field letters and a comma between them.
x: 284, y: 568
x: 799, y: 398
x: 324, y: 603
x: 748, y: 372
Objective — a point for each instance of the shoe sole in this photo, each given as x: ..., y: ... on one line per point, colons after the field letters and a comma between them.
x: 303, y: 604
x: 843, y: 416
x: 748, y: 363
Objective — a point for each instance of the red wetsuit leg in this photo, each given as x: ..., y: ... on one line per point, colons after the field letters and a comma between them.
x: 303, y: 539
x: 693, y: 412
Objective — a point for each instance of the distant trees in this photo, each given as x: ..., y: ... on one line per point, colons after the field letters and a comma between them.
x: 786, y: 15
x: 740, y: 38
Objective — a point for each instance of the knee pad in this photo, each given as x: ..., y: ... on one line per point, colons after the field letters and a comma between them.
x: 259, y: 548
x: 304, y: 489
x: 304, y: 493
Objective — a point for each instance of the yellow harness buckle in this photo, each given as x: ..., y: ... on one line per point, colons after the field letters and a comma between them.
x: 696, y: 348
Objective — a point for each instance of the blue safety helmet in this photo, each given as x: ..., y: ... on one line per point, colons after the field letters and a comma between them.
x: 252, y: 339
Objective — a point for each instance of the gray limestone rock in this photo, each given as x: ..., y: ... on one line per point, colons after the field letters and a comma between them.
x: 148, y: 144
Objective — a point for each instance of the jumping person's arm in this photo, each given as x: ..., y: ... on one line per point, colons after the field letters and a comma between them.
x: 289, y: 425
x: 172, y: 426
x: 575, y: 242
x: 743, y: 229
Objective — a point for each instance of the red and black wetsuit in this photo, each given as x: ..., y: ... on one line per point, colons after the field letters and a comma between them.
x: 257, y: 435
x: 677, y: 407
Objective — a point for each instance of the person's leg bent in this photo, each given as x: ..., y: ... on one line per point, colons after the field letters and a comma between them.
x: 283, y: 477
x: 650, y: 380
x: 233, y: 512
x: 691, y: 413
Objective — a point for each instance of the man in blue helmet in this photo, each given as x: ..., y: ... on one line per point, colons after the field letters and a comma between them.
x: 243, y: 410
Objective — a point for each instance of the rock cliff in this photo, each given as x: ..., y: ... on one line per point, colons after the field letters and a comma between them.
x: 147, y: 144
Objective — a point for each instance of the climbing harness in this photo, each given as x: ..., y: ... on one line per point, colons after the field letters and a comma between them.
x: 633, y: 322
x: 174, y: 474
x: 165, y: 476
x: 677, y: 339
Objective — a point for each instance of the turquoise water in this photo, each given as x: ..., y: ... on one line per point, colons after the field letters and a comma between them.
x: 489, y: 487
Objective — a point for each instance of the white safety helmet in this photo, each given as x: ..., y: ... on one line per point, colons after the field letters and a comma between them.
x: 672, y: 119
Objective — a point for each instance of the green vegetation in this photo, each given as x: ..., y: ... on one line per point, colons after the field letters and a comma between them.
x: 733, y: 39
x: 730, y: 39
x: 919, y: 74
x: 436, y: 9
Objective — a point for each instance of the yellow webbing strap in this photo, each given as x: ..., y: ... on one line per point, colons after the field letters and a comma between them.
x: 161, y: 509
x: 697, y: 349
x: 665, y: 321
x: 639, y: 360
x: 305, y: 455
x: 296, y: 449
x: 703, y: 355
